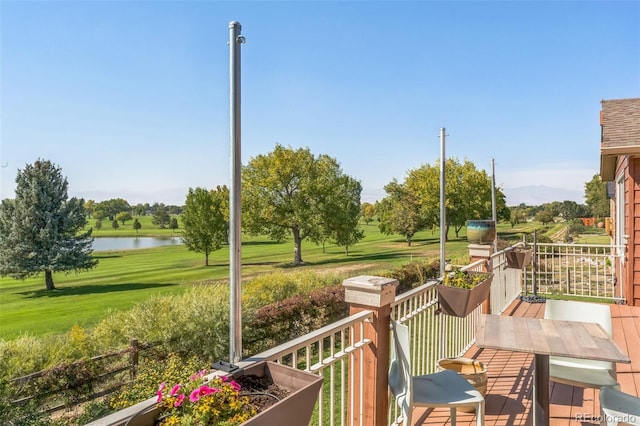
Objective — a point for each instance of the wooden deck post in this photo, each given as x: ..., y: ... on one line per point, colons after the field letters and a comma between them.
x: 376, y: 294
x: 483, y: 252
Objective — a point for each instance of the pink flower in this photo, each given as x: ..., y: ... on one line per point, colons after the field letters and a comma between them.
x: 160, y: 389
x: 206, y: 390
x: 235, y: 385
x: 174, y: 390
x: 179, y: 400
x: 195, y: 395
x: 198, y: 375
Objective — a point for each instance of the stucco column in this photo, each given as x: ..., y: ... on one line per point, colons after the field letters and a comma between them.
x: 376, y: 294
x: 483, y: 252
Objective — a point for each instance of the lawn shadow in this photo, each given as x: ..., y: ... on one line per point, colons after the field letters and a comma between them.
x: 107, y: 256
x: 352, y: 258
x: 89, y: 289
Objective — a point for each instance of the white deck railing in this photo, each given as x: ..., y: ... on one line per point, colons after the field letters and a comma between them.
x: 585, y: 270
x: 328, y: 352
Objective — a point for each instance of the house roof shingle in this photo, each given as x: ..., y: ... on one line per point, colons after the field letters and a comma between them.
x: 620, y: 120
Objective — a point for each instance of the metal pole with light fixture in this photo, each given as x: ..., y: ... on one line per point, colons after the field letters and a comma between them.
x: 235, y: 213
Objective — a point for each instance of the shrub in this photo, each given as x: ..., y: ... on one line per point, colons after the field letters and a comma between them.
x: 282, y: 321
x: 576, y: 227
x: 174, y: 368
x: 414, y: 274
x: 275, y: 287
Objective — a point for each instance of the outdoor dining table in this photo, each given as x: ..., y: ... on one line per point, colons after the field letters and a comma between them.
x: 545, y: 337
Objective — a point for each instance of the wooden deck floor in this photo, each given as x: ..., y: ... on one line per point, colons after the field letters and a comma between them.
x: 510, y: 380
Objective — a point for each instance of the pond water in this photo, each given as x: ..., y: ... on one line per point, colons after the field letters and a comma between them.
x: 132, y: 243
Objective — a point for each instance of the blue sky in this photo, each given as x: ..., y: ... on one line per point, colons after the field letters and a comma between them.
x: 131, y: 98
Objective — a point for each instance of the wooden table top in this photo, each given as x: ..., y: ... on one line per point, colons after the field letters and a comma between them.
x: 548, y: 337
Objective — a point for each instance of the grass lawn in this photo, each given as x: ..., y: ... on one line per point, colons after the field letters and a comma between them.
x: 124, y: 278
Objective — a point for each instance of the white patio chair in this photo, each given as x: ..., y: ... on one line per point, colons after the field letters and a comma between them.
x: 443, y: 389
x: 583, y: 373
x: 619, y: 407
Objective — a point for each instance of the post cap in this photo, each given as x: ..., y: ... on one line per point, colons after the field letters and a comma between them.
x: 369, y: 290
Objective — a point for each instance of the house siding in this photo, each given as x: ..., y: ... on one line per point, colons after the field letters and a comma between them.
x: 620, y: 139
x: 632, y: 187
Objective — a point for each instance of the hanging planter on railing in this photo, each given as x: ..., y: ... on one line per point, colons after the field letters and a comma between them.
x: 463, y: 291
x: 519, y: 257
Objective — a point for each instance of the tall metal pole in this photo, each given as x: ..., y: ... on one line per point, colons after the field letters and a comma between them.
x: 235, y: 242
x: 443, y: 210
x: 494, y: 215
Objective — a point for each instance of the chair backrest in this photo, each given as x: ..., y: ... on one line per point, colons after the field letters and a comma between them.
x: 569, y: 310
x: 400, y: 367
x: 618, y: 405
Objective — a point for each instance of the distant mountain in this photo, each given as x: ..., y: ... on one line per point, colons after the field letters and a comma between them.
x: 536, y: 195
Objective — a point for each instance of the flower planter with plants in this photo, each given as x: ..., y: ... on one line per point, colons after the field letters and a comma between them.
x: 463, y: 291
x: 519, y: 257
x: 265, y: 393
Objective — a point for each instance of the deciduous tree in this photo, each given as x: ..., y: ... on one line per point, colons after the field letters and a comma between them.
x: 343, y: 213
x: 123, y: 217
x: 161, y: 217
x: 518, y: 215
x: 289, y: 191
x: 367, y: 211
x: 415, y: 204
x: 110, y: 208
x: 205, y: 220
x: 173, y: 224
x: 41, y: 229
x: 595, y: 193
x: 400, y: 212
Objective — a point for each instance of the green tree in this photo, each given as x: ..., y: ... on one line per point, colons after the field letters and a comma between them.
x: 468, y: 195
x: 400, y: 212
x: 41, y: 229
x: 343, y: 213
x: 205, y: 221
x: 545, y: 216
x: 595, y: 194
x: 110, y: 208
x: 161, y: 217
x: 136, y: 225
x: 88, y: 207
x: 123, y: 217
x: 98, y: 224
x: 367, y: 211
x: 518, y: 215
x: 173, y: 224
x: 288, y: 191
x: 114, y: 224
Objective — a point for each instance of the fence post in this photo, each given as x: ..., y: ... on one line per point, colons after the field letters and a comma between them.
x: 483, y: 252
x: 133, y: 358
x: 376, y: 294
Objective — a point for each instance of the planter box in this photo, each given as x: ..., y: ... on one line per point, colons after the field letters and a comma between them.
x: 295, y: 410
x: 460, y: 302
x: 519, y: 257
